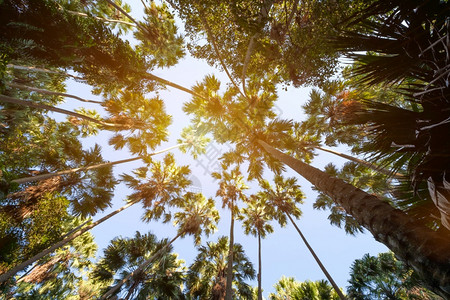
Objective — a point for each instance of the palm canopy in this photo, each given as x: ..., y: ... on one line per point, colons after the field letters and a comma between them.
x: 289, y: 288
x: 158, y: 186
x: 410, y: 36
x: 231, y: 186
x: 123, y: 255
x: 282, y: 198
x: 241, y: 121
x: 143, y: 121
x: 383, y: 277
x: 255, y: 218
x: 197, y: 216
x: 206, y: 277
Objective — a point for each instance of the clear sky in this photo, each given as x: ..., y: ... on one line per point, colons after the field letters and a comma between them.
x: 283, y: 251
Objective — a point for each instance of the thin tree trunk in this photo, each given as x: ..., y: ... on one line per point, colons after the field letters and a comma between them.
x: 364, y: 163
x: 77, y: 13
x: 172, y: 84
x: 126, y: 14
x: 263, y: 14
x: 426, y: 251
x: 229, y: 286
x: 42, y: 70
x: 219, y: 56
x: 71, y: 171
x: 259, y: 268
x: 139, y: 269
x: 47, y: 92
x: 21, y: 102
x: 75, y: 229
x: 322, y: 267
x: 5, y: 276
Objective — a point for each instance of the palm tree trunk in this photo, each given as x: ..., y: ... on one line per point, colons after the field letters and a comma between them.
x: 265, y: 9
x: 36, y: 69
x: 229, y: 286
x: 21, y: 102
x: 322, y: 267
x: 172, y: 84
x: 126, y: 14
x: 426, y: 251
x: 211, y: 38
x: 259, y: 268
x: 71, y: 171
x: 131, y: 290
x: 5, y: 276
x: 139, y: 269
x: 364, y: 163
x: 47, y: 92
x: 77, y: 13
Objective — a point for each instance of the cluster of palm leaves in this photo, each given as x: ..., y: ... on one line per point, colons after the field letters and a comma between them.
x: 403, y: 46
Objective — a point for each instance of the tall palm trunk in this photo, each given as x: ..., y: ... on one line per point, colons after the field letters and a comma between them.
x: 21, y: 102
x: 229, y: 285
x: 364, y: 163
x: 425, y: 250
x: 47, y: 92
x: 322, y: 267
x: 141, y: 268
x: 5, y: 276
x: 71, y: 171
x: 259, y: 268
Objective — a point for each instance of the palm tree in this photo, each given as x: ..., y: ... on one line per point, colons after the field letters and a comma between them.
x: 7, y: 99
x: 231, y: 187
x: 52, y: 93
x: 56, y: 275
x: 198, y: 216
x: 384, y: 277
x: 289, y: 288
x: 206, y: 277
x: 124, y: 255
x: 230, y: 120
x: 190, y: 140
x: 360, y: 177
x: 91, y: 167
x: 412, y: 242
x: 410, y: 37
x: 167, y: 183
x: 255, y: 221
x: 284, y: 197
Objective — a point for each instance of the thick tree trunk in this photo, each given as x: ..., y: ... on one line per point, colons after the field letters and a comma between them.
x: 426, y: 251
x: 112, y: 163
x: 229, y: 286
x: 364, y: 163
x: 259, y: 268
x: 141, y: 268
x: 5, y: 276
x: 322, y: 267
x: 21, y: 102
